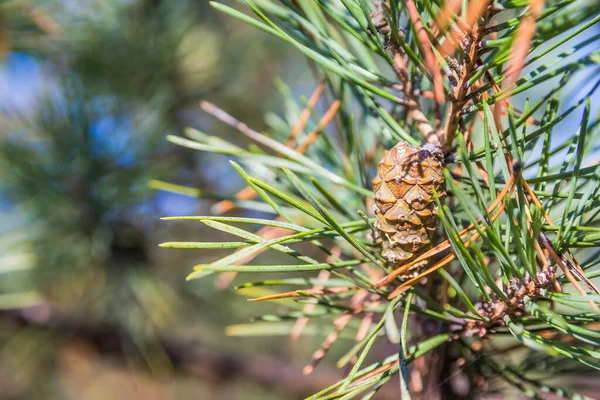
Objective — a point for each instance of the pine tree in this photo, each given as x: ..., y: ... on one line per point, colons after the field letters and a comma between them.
x: 478, y: 260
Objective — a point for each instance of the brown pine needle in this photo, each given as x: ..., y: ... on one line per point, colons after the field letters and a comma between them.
x: 45, y: 22
x: 577, y: 268
x: 365, y: 324
x: 409, y: 283
x: 565, y: 270
x: 323, y: 122
x: 225, y: 206
x: 302, y: 321
x: 475, y: 10
x: 446, y: 16
x: 375, y: 372
x: 431, y: 61
x: 228, y: 119
x: 519, y: 51
x: 301, y: 293
x: 359, y: 302
x: 523, y: 40
x: 340, y: 324
x: 305, y: 115
x: 537, y: 203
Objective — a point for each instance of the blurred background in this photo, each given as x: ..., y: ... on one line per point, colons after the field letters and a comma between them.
x: 90, y: 306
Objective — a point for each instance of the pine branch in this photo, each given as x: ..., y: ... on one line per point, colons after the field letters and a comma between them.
x: 511, y: 237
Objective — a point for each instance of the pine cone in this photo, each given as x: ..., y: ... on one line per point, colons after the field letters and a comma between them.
x: 404, y: 204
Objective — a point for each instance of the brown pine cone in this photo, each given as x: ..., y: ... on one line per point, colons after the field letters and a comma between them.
x: 404, y: 204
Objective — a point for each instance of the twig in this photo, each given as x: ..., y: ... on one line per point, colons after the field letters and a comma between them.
x: 413, y: 106
x: 472, y: 38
